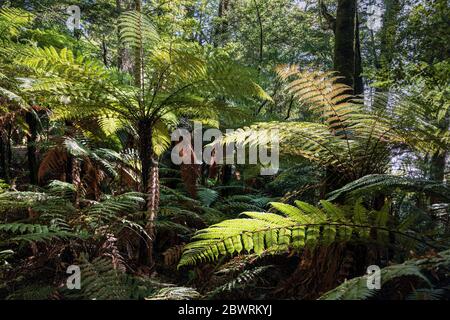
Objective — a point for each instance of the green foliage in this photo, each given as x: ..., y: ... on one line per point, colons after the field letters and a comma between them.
x: 101, y: 280
x: 388, y: 183
x: 300, y: 226
x: 79, y: 87
x: 184, y: 60
x: 430, y: 273
x: 349, y: 140
x: 34, y: 232
x: 241, y: 282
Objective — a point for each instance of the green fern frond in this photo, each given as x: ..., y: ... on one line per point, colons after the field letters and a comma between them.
x: 114, y: 208
x: 389, y: 183
x: 136, y: 30
x: 35, y: 232
x: 357, y: 289
x: 207, y: 196
x: 243, y: 280
x: 302, y: 226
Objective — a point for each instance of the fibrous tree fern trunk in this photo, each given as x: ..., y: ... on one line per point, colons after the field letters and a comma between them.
x: 3, y: 157
x: 70, y: 159
x: 31, y: 147
x: 138, y: 59
x: 148, y: 159
x: 150, y: 185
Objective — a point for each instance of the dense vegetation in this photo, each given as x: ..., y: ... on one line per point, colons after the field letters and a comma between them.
x: 358, y: 91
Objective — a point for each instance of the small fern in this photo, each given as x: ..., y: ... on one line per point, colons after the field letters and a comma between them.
x: 431, y: 272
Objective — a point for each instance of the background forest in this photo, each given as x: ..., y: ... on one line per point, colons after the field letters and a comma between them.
x: 357, y: 89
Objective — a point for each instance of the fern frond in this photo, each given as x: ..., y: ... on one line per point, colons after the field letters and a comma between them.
x: 136, y: 30
x: 357, y: 289
x: 35, y: 233
x: 389, y: 183
x: 302, y: 226
x: 242, y: 281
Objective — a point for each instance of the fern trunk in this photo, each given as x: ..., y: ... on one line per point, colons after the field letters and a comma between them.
x: 150, y: 186
x: 69, y: 132
x: 3, y: 157
x: 31, y: 147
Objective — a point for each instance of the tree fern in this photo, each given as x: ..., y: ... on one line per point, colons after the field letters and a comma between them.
x: 300, y: 226
x: 351, y: 139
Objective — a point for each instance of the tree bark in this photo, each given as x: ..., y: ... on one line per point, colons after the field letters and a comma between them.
x: 3, y: 157
x: 70, y: 160
x: 347, y: 56
x: 123, y: 56
x: 222, y: 28
x: 150, y: 186
x: 138, y: 68
x: 261, y: 37
x: 31, y: 146
x: 438, y: 161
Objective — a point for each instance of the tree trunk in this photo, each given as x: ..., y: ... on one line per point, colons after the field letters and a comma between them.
x: 261, y: 37
x: 438, y: 160
x: 358, y: 85
x: 69, y: 163
x: 220, y: 32
x: 123, y: 55
x: 150, y: 186
x: 3, y: 157
x: 347, y: 56
x: 9, y: 149
x: 31, y: 146
x: 388, y: 32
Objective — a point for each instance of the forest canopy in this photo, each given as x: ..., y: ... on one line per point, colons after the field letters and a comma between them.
x: 225, y: 149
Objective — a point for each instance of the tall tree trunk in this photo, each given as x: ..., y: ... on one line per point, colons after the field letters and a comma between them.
x: 358, y: 85
x: 123, y: 55
x: 150, y: 186
x: 261, y: 36
x: 8, y: 150
x: 347, y: 62
x: 104, y: 52
x: 221, y: 30
x: 3, y: 157
x: 438, y: 161
x: 347, y: 56
x: 388, y: 32
x: 138, y: 68
x: 149, y: 162
x: 31, y: 146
